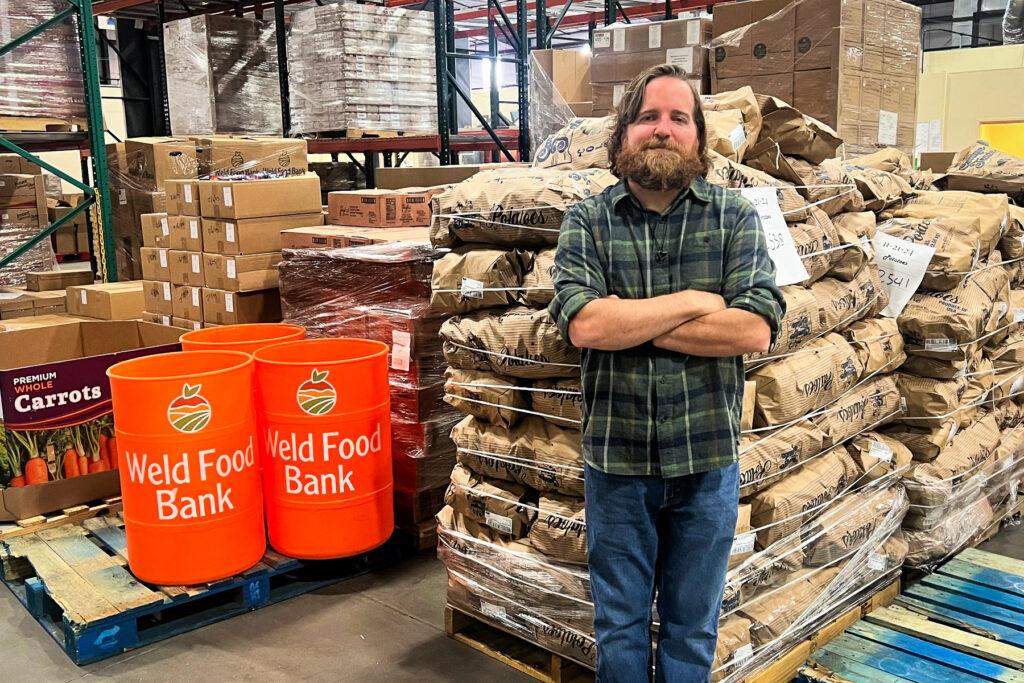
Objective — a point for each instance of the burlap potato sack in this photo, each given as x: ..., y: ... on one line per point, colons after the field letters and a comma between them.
x: 534, y: 452
x: 505, y: 507
x: 749, y: 402
x: 725, y: 133
x: 733, y: 635
x: 1008, y: 415
x: 879, y: 188
x: 991, y: 210
x: 560, y: 531
x: 782, y: 508
x: 797, y: 135
x: 767, y: 569
x: 1009, y: 354
x: 581, y: 144
x: 765, y: 156
x: 840, y: 304
x: 1008, y: 384
x: 772, y: 615
x: 930, y: 402
x: 538, y: 283
x: 878, y: 455
x: 467, y: 280
x: 517, y: 342
x: 953, y: 532
x: 801, y: 323
x: 728, y: 141
x: 890, y: 555
x: 878, y: 343
x: 1011, y: 244
x: 858, y: 230
x: 512, y: 207
x: 490, y: 397
x: 890, y: 160
x: 924, y: 441
x: 727, y: 173
x: 957, y: 244
x: 852, y: 522
x: 870, y: 406
x: 1009, y: 451
x: 936, y: 368
x: 832, y: 193
x: 796, y: 385
x: 984, y: 169
x: 980, y: 381
x: 816, y: 241
x: 559, y: 401
x: 931, y: 484
x: 765, y: 460
x: 450, y: 520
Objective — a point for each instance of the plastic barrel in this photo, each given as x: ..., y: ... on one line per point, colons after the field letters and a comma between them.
x: 187, y: 452
x: 326, y: 440
x: 248, y: 338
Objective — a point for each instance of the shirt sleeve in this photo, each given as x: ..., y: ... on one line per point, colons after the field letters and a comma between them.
x: 579, y: 277
x: 749, y: 281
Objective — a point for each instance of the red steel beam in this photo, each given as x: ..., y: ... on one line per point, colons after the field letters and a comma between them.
x: 110, y: 6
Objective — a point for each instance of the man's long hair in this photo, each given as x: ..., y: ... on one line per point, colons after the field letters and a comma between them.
x: 628, y: 109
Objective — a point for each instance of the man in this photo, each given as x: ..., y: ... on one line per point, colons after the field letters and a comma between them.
x: 664, y: 281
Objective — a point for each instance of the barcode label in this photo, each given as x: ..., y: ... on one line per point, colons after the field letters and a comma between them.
x: 193, y: 229
x: 498, y: 522
x: 163, y: 258
x: 195, y: 296
x: 877, y: 562
x: 188, y: 193
x: 231, y: 268
x: 228, y: 199
x: 744, y: 653
x: 229, y: 232
x: 167, y: 291
x: 939, y: 344
x: 472, y: 289
x: 196, y: 263
x: 881, y: 451
x: 163, y: 227
x: 229, y: 302
x: 744, y: 543
x: 83, y: 296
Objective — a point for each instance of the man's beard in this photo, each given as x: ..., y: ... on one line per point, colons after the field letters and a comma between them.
x: 659, y: 164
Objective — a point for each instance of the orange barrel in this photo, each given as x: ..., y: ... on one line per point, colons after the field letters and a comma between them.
x: 326, y: 442
x: 248, y: 338
x: 193, y: 509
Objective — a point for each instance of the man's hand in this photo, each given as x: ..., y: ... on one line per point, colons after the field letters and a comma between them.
x: 732, y: 332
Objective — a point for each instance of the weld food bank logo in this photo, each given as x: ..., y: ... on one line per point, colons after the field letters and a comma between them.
x: 316, y: 396
x: 190, y: 412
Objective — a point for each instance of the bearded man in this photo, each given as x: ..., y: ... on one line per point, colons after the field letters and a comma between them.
x: 663, y: 281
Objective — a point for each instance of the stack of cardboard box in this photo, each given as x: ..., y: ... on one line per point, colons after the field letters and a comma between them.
x: 213, y: 257
x: 73, y: 237
x: 106, y: 301
x: 622, y: 52
x: 23, y: 214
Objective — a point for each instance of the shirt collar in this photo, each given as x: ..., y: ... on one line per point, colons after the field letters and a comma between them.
x: 698, y: 189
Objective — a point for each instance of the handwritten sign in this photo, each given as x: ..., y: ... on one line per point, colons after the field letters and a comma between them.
x: 902, y: 265
x: 789, y: 268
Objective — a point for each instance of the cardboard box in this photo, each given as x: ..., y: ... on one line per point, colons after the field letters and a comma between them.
x: 232, y: 308
x: 57, y: 279
x: 75, y: 225
x: 222, y: 155
x: 622, y: 67
x: 337, y: 237
x: 252, y: 235
x: 82, y: 240
x: 108, y: 301
x: 22, y: 190
x: 187, y: 302
x: 15, y: 163
x: 156, y: 230
x: 243, y: 273
x: 21, y: 303
x: 65, y: 241
x: 380, y: 208
x: 184, y: 323
x: 157, y: 297
x: 260, y: 198
x: 582, y: 109
x: 62, y: 365
x: 186, y: 233
x: 182, y: 197
x: 156, y: 263
x: 19, y: 218
x: 157, y: 318
x: 429, y: 176
x: 936, y: 162
x: 652, y: 36
x: 153, y: 161
x: 567, y: 70
x: 186, y: 267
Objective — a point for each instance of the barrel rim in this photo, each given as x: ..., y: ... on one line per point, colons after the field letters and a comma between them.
x: 382, y: 350
x: 244, y: 359
x: 194, y: 336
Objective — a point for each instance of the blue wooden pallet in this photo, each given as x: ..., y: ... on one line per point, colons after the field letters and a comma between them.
x: 75, y: 582
x: 963, y: 624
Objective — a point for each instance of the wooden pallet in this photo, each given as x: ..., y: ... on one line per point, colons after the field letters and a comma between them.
x: 74, y: 580
x: 964, y: 623
x: 72, y: 515
x: 40, y: 124
x: 544, y: 665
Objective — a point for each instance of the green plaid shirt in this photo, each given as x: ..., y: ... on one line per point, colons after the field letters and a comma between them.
x: 648, y: 411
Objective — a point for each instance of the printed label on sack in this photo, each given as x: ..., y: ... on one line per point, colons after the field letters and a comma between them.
x: 493, y: 611
x: 83, y: 296
x: 1001, y: 309
x: 744, y: 543
x: 888, y: 121
x: 163, y: 258
x: 939, y: 344
x: 472, y: 289
x: 229, y: 232
x: 231, y: 268
x: 877, y: 562
x: 789, y: 268
x: 901, y: 265
x: 498, y: 522
x: 743, y: 653
x: 617, y: 91
x: 618, y: 39
x: 193, y: 230
x: 602, y: 39
x: 196, y: 263
x: 195, y: 297
x: 654, y: 37
x: 1018, y: 315
x: 228, y: 198
x: 122, y: 197
x: 881, y: 451
x: 188, y: 193
x: 167, y: 291
x: 1018, y: 384
x: 681, y: 57
x: 952, y: 432
x: 163, y: 227
x: 229, y: 302
x: 738, y: 136
x: 693, y: 32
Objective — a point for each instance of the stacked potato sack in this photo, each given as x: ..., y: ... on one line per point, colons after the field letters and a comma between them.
x: 513, y: 534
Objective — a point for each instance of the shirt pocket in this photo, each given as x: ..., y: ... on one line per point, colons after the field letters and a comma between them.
x: 701, y: 263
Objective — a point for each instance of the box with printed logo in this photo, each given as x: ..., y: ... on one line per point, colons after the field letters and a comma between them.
x: 252, y: 235
x: 260, y: 198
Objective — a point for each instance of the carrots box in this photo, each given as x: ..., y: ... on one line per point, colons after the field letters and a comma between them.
x: 55, y: 403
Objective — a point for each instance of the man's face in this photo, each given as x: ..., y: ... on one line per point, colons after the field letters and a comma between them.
x: 659, y: 151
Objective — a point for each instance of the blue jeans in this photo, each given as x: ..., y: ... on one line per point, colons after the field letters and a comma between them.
x: 674, y: 533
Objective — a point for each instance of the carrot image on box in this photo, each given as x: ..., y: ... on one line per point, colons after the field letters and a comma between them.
x: 186, y: 442
x: 325, y: 419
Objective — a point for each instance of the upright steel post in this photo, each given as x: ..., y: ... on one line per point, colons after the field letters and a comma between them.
x: 542, y: 25
x: 495, y: 67
x: 165, y: 102
x: 282, y: 65
x: 441, y: 69
x: 523, y: 78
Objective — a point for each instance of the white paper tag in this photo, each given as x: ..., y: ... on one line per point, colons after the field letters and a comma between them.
x: 877, y: 562
x: 654, y: 37
x: 188, y: 193
x: 901, y: 265
x: 744, y: 543
x: 681, y: 57
x: 1001, y: 310
x: 952, y: 431
x: 167, y: 291
x: 743, y: 653
x: 617, y: 91
x: 228, y: 200
x: 618, y: 39
x: 193, y: 230
x: 939, y: 344
x: 493, y: 611
x: 401, y: 357
x: 935, y: 143
x: 195, y: 297
x: 471, y: 289
x: 738, y: 136
x: 163, y: 227
x: 83, y: 297
x: 498, y: 522
x: 196, y: 324
x: 789, y: 268
x: 229, y: 232
x: 229, y: 302
x: 163, y: 258
x: 166, y: 319
x: 888, y: 122
x: 122, y: 197
x: 401, y: 338
x: 693, y: 32
x: 231, y: 268
x: 880, y: 451
x: 602, y: 39
x: 1018, y: 384
x: 197, y: 263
